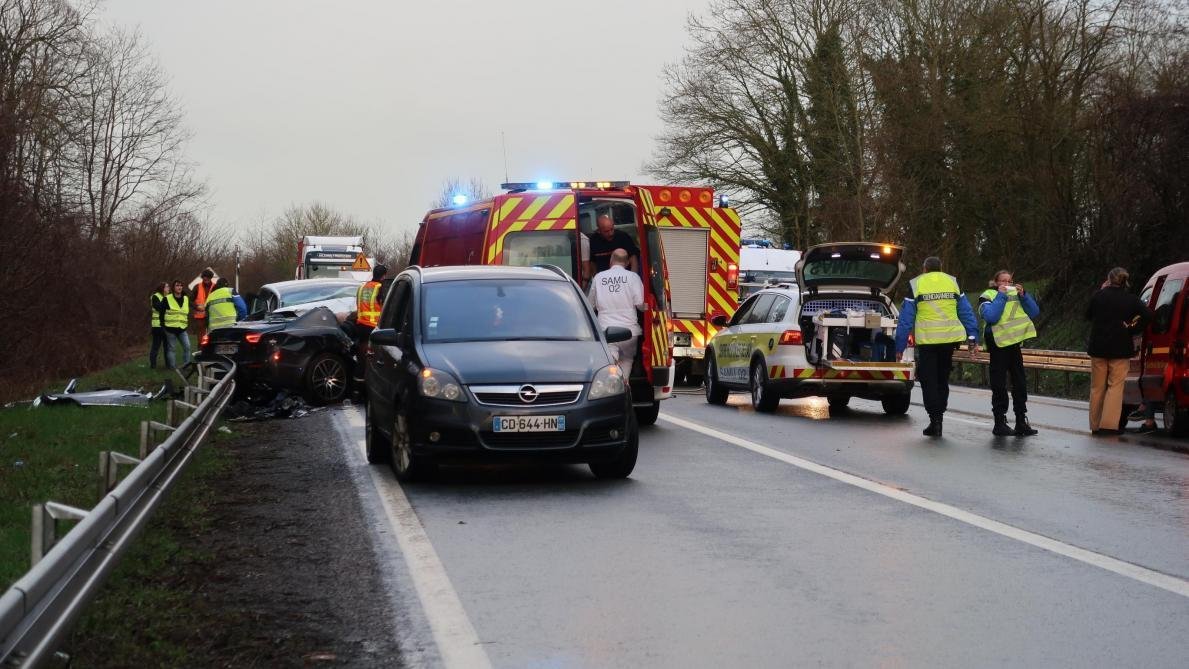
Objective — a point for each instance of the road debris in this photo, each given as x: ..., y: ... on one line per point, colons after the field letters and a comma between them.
x: 263, y: 402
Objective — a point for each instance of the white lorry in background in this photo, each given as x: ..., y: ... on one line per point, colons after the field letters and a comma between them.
x: 760, y: 265
x: 322, y: 257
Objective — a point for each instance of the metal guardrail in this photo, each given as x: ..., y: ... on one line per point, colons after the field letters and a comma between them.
x: 1069, y: 362
x: 39, y: 609
x: 1060, y: 361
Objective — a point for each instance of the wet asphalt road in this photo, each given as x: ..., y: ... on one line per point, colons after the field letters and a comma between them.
x: 715, y: 555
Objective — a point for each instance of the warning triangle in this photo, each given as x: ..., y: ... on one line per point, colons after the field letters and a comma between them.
x: 361, y: 264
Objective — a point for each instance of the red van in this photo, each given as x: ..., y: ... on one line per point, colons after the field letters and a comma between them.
x: 1159, y: 375
x: 546, y: 223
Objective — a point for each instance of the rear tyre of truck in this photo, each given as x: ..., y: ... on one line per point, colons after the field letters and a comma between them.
x: 762, y: 397
x: 896, y: 405
x: 647, y: 415
x: 715, y: 392
x: 1176, y: 419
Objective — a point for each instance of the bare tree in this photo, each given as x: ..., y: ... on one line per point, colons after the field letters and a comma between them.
x: 133, y: 136
x: 472, y: 189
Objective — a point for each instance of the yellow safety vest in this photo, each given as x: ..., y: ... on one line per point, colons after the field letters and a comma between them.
x: 367, y: 304
x: 220, y: 308
x: 154, y: 300
x: 1014, y: 326
x: 177, y: 315
x: 936, y: 295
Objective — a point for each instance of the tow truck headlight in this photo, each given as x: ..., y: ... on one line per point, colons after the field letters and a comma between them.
x: 439, y: 385
x: 607, y: 383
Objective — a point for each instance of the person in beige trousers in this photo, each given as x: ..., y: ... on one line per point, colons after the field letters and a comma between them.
x: 1115, y: 315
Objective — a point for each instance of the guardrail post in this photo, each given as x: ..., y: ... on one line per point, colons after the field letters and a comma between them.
x: 45, y: 526
x: 175, y: 407
x: 109, y: 469
x: 147, y: 427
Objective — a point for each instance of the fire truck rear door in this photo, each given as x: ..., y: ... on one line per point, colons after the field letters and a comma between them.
x: 533, y: 228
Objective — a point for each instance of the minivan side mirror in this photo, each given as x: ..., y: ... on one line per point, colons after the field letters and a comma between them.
x: 384, y: 337
x: 615, y: 334
x: 719, y: 320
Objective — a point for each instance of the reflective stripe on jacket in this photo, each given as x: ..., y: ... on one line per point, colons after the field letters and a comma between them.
x: 220, y: 308
x: 177, y: 315
x: 936, y: 295
x: 1013, y: 325
x: 367, y: 304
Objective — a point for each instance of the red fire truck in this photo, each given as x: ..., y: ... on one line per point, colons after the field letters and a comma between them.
x: 702, y: 251
x: 543, y: 223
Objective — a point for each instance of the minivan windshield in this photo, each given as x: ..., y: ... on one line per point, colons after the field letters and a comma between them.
x: 503, y: 310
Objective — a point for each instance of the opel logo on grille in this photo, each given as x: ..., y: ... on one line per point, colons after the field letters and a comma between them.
x: 528, y: 394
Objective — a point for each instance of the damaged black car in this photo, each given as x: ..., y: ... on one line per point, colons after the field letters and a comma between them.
x: 307, y: 353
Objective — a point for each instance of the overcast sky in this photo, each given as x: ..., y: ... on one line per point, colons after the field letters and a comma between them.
x: 369, y: 105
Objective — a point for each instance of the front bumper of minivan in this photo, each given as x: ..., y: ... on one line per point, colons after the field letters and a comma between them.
x: 596, y: 430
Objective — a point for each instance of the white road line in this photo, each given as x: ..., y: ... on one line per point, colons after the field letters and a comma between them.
x: 1164, y: 581
x: 458, y: 643
x: 979, y: 423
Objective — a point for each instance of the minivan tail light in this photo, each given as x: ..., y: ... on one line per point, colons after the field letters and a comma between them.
x: 791, y: 337
x: 732, y: 275
x: 253, y: 338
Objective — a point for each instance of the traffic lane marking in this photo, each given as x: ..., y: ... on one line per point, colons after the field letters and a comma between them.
x: 1114, y: 565
x: 458, y: 643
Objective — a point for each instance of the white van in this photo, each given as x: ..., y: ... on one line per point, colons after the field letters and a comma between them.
x: 760, y: 266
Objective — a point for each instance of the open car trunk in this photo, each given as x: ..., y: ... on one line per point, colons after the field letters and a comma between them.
x: 846, y: 316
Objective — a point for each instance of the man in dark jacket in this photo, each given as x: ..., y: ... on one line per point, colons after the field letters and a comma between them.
x: 1115, y: 315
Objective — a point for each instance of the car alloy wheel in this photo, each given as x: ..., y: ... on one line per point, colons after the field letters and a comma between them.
x: 1175, y: 419
x: 762, y: 398
x: 328, y: 379
x: 715, y: 392
x: 402, y: 447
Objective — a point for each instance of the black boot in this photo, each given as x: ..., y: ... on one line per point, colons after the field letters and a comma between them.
x: 1023, y: 429
x: 1001, y: 429
x: 934, y: 429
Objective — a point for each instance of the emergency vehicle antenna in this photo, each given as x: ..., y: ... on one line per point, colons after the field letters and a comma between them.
x: 504, y: 143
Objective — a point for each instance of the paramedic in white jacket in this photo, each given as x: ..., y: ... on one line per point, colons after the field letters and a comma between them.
x: 617, y: 294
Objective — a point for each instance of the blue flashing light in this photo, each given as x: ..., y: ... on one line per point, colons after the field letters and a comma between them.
x: 459, y: 200
x: 723, y: 200
x: 544, y: 185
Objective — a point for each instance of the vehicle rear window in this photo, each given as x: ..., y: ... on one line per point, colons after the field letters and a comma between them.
x: 306, y: 294
x: 843, y: 270
x: 502, y: 310
x: 553, y: 247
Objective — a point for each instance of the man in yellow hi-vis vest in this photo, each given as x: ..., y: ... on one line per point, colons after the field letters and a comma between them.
x: 1008, y: 310
x: 369, y: 300
x: 940, y: 318
x: 220, y: 306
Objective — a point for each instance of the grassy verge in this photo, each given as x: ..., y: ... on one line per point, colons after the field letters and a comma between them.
x: 51, y: 453
x: 146, y: 614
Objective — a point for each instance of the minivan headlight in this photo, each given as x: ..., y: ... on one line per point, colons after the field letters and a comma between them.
x: 607, y: 382
x: 439, y: 385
